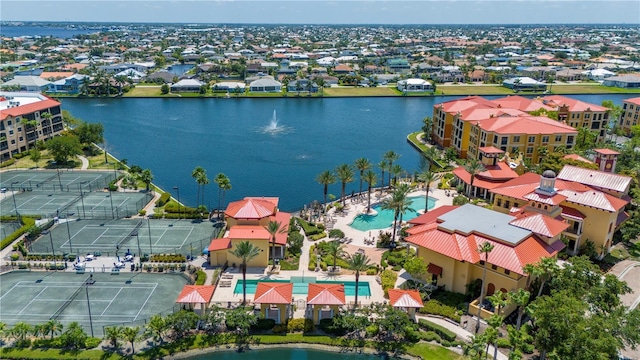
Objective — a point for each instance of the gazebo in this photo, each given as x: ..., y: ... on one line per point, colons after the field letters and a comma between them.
x: 274, y: 299
x: 196, y: 294
x: 406, y: 300
x: 326, y: 300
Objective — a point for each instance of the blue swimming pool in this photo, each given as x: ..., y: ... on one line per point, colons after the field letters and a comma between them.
x: 384, y: 218
x: 301, y: 286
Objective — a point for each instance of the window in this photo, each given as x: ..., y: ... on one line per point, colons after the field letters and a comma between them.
x: 514, y: 149
x: 530, y: 150
x: 545, y: 139
x: 595, y: 125
x: 610, y: 227
x: 558, y: 138
x: 499, y: 202
x: 587, y: 116
x: 494, y: 267
x: 532, y: 139
x: 507, y: 272
x: 482, y: 262
x: 507, y: 204
x: 570, y: 139
x: 504, y: 140
x: 516, y: 139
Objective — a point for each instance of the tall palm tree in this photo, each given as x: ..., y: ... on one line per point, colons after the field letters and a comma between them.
x: 335, y: 249
x: 547, y: 268
x: 520, y: 298
x: 196, y: 174
x: 432, y: 154
x: 147, y: 178
x: 20, y: 330
x: 427, y: 177
x: 383, y: 166
x: 362, y: 164
x: 473, y: 167
x: 395, y: 170
x: 53, y: 327
x: 403, y: 202
x: 358, y: 262
x: 274, y: 228
x: 485, y: 249
x: 224, y: 184
x: 390, y: 156
x: 325, y: 179
x: 131, y: 334
x: 202, y: 181
x: 371, y: 178
x: 245, y: 251
x: 345, y: 174
x: 396, y: 202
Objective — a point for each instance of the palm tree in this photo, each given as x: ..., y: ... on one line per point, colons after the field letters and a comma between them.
x: 521, y: 299
x: 396, y: 170
x: 473, y: 167
x: 224, y: 184
x: 427, y: 177
x: 371, y: 178
x: 345, y: 174
x: 39, y: 330
x: 391, y: 156
x: 274, y: 227
x: 131, y: 334
x: 156, y: 328
x: 245, y: 251
x: 432, y: 154
x: 358, y: 262
x: 398, y: 202
x: 362, y: 164
x: 53, y: 327
x: 196, y: 174
x: 113, y: 334
x: 335, y: 249
x: 485, y: 249
x: 325, y: 179
x: 547, y: 268
x: 383, y: 165
x: 403, y: 202
x: 146, y: 177
x: 20, y: 331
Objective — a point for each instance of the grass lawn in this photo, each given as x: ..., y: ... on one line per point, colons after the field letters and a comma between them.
x: 361, y: 91
x: 464, y: 89
x: 589, y: 88
x: 146, y: 91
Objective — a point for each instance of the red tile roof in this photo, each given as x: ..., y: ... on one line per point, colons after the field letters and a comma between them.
x: 196, y: 294
x: 546, y: 199
x: 633, y: 100
x: 252, y: 208
x: 573, y: 104
x: 595, y: 178
x: 273, y: 293
x: 525, y: 125
x: 434, y: 269
x: 572, y: 213
x: 28, y: 108
x: 521, y: 103
x: 326, y: 294
x: 432, y: 215
x: 249, y: 232
x: 577, y: 157
x: 490, y: 150
x: 455, y: 106
x: 606, y: 152
x: 283, y: 218
x: 540, y: 224
x: 220, y: 244
x: 405, y: 298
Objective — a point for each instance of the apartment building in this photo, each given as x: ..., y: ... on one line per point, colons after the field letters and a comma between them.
x: 630, y: 114
x: 25, y: 118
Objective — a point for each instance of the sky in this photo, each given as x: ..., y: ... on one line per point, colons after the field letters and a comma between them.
x: 326, y: 12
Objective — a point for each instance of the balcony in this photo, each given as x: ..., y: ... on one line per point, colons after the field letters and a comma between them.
x: 488, y: 309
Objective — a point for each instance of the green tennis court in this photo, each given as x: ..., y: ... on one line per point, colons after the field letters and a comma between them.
x: 129, y: 298
x: 152, y: 235
x: 57, y: 180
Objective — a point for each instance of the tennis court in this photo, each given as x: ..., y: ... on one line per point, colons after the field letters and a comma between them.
x: 131, y: 299
x: 54, y: 180
x: 97, y: 204
x: 152, y: 235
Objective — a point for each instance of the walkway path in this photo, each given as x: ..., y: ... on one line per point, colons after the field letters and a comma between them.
x: 85, y: 162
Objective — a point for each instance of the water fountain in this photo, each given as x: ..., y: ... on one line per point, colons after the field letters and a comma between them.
x: 273, y: 125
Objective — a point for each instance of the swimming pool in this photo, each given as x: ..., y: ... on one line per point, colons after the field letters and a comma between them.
x: 301, y: 286
x: 384, y: 218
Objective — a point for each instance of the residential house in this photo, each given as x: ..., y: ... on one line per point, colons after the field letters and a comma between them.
x: 275, y: 300
x: 579, y: 114
x: 246, y: 220
x: 408, y: 301
x: 627, y: 81
x: 70, y: 85
x: 448, y: 239
x: 187, y: 85
x: 192, y: 295
x: 26, y: 83
x: 324, y: 301
x: 630, y: 114
x: 342, y: 69
x: 26, y: 118
x: 398, y: 66
x: 524, y: 83
x: 229, y: 86
x: 591, y: 202
x: 162, y: 76
x: 265, y: 85
x: 598, y: 74
x: 414, y: 85
x: 569, y: 75
x: 302, y: 85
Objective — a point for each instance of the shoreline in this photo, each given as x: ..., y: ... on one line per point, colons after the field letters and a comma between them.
x: 322, y: 347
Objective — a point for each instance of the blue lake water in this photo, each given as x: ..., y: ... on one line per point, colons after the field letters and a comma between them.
x: 384, y: 218
x: 282, y: 354
x: 233, y: 136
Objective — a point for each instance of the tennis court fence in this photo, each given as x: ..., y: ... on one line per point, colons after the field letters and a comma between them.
x: 142, y: 322
x: 68, y: 302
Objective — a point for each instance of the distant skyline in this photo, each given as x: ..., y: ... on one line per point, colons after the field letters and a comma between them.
x: 437, y: 12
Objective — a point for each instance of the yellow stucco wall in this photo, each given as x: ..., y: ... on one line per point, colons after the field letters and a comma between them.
x: 316, y: 312
x: 218, y: 258
x: 283, y: 311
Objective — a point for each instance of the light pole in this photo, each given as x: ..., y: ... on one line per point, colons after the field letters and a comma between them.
x: 58, y: 171
x: 66, y: 220
x: 82, y: 197
x: 86, y: 289
x: 177, y: 189
x: 111, y: 199
x: 15, y: 205
x: 135, y: 232
x: 149, y: 227
x: 53, y: 251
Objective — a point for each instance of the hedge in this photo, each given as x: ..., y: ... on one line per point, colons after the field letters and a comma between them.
x: 8, y: 163
x: 388, y: 279
x: 168, y: 258
x: 263, y: 325
x: 309, y: 229
x: 435, y: 307
x: 298, y: 325
x: 27, y: 223
x: 444, y: 333
x: 201, y: 277
x: 164, y: 198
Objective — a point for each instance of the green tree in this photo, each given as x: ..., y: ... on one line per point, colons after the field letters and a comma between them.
x: 224, y: 185
x: 63, y: 147
x: 53, y: 327
x: 325, y: 179
x: 395, y: 170
x: 336, y: 250
x: 131, y: 334
x: 20, y: 330
x: 520, y: 298
x: 274, y: 228
x: 398, y: 202
x: 390, y: 157
x: 427, y: 177
x: 89, y: 134
x: 548, y: 267
x: 362, y: 165
x: 156, y: 328
x: 416, y: 267
x: 164, y: 89
x: 427, y: 126
x: 239, y: 321
x: 473, y: 167
x: 345, y: 174
x: 246, y: 252
x: 371, y: 179
x: 383, y: 166
x: 35, y: 155
x: 146, y: 177
x: 73, y: 337
x: 358, y: 262
x: 113, y: 335
x: 181, y: 322
x: 483, y: 249
x: 586, y: 139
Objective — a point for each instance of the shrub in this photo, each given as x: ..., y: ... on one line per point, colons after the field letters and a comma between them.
x: 372, y: 271
x: 27, y: 222
x: 434, y: 307
x: 309, y: 229
x: 91, y: 343
x: 280, y: 329
x: 263, y: 325
x: 430, y: 336
x: 8, y: 163
x: 298, y: 325
x: 164, y: 198
x: 440, y: 330
x: 329, y: 327
x: 460, y: 200
x: 317, y: 237
x: 388, y: 279
x: 503, y: 343
x: 201, y: 277
x: 371, y: 330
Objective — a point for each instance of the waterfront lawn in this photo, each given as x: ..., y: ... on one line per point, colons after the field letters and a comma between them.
x: 464, y: 89
x: 588, y: 88
x: 145, y: 91
x: 361, y: 91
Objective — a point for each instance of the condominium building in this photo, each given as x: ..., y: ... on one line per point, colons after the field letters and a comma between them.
x: 25, y: 118
x: 630, y: 114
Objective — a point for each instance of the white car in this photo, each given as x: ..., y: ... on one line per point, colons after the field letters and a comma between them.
x: 80, y: 266
x: 128, y: 257
x: 119, y: 265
